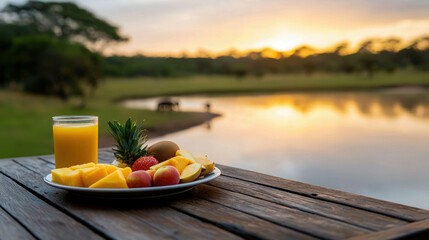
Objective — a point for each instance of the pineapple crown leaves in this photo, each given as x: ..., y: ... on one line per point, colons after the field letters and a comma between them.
x: 130, y: 140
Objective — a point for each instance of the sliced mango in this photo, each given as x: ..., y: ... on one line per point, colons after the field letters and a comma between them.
x: 94, y: 175
x: 208, y: 166
x: 162, y: 164
x: 179, y: 162
x: 191, y: 172
x: 185, y: 154
x: 113, y: 180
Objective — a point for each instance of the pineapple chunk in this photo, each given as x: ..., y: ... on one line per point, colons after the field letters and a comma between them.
x: 179, y: 162
x: 73, y: 178
x: 85, y: 170
x: 92, y: 176
x: 126, y: 171
x: 67, y: 176
x: 58, y: 175
x: 85, y: 174
x: 111, y: 168
x: 86, y: 165
x: 113, y: 180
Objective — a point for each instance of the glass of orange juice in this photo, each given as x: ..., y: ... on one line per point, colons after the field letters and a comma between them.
x: 75, y: 140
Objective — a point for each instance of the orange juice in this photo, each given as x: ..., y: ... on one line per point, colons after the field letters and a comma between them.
x: 75, y: 143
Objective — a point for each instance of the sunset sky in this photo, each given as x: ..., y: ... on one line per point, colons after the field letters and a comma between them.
x: 176, y: 26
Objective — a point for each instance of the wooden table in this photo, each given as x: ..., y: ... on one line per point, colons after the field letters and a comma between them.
x: 238, y: 204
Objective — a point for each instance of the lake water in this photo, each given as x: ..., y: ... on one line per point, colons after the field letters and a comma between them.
x: 374, y: 144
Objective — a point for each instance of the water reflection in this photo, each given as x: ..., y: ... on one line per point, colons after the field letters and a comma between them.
x: 367, y: 143
x: 366, y: 104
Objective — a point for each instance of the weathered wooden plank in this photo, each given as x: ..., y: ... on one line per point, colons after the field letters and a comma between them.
x: 415, y: 230
x: 178, y: 224
x: 107, y: 149
x: 107, y: 154
x: 339, y: 212
x: 163, y: 219
x: 43, y: 220
x: 47, y: 158
x: 247, y: 226
x: 97, y: 214
x: 371, y: 204
x: 105, y: 157
x: 11, y: 229
x: 291, y: 218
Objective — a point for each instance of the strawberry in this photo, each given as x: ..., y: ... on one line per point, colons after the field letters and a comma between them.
x: 144, y: 163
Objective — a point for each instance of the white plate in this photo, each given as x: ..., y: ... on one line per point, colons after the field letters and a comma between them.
x: 149, y: 192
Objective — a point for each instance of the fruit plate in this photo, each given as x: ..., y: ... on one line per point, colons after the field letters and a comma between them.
x: 150, y: 192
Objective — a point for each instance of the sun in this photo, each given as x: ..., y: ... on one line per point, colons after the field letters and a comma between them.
x: 281, y: 42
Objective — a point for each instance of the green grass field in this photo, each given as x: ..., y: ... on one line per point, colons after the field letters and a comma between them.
x: 26, y: 125
x: 25, y: 122
x: 148, y: 87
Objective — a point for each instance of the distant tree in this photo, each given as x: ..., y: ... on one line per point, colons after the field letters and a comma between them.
x: 341, y: 48
x: 203, y: 65
x: 53, y: 67
x: 368, y: 62
x: 348, y: 65
x: 233, y: 53
x: 367, y: 46
x: 184, y: 54
x: 271, y: 53
x: 202, y: 53
x: 304, y: 51
x: 239, y: 71
x: 254, y: 55
x: 310, y: 66
x: 65, y: 21
x: 7, y: 34
x: 391, y: 44
x: 257, y: 67
x: 421, y: 43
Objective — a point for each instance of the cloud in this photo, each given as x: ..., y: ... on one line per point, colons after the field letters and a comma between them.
x: 173, y: 25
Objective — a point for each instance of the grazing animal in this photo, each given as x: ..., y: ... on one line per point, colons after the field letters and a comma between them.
x: 168, y: 105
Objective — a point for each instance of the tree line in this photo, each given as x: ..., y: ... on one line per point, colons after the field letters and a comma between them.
x: 373, y: 55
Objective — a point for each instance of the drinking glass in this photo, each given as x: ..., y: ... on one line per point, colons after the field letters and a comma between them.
x: 75, y: 140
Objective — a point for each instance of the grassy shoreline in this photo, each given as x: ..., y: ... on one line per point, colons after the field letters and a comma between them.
x: 118, y: 89
x: 25, y: 125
